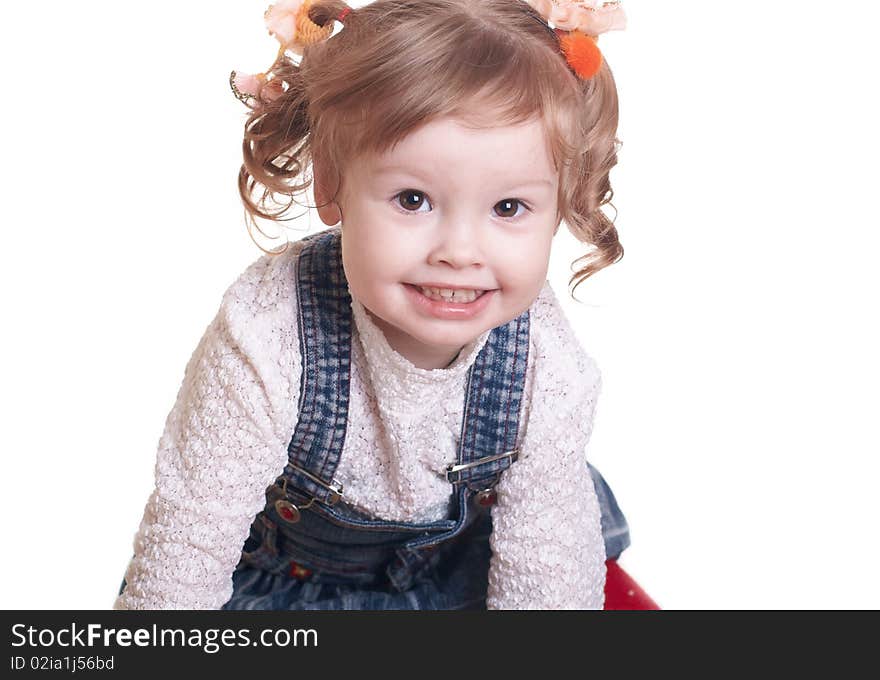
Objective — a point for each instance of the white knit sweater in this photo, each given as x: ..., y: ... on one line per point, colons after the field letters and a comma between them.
x: 226, y: 440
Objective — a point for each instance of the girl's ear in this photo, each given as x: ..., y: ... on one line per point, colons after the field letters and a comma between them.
x: 328, y: 210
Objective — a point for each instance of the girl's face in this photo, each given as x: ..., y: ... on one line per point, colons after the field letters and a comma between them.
x: 452, y: 207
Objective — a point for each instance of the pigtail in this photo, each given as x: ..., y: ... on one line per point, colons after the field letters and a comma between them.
x: 586, y: 186
x: 277, y: 144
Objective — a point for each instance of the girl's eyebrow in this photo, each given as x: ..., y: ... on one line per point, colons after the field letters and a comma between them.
x: 388, y: 169
x: 535, y: 183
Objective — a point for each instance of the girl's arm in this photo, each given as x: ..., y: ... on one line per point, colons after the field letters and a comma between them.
x: 224, y: 442
x: 547, y: 545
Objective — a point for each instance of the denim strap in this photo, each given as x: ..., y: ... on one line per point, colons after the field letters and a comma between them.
x: 325, y: 324
x: 493, y: 397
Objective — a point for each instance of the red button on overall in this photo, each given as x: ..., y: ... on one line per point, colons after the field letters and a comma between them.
x: 287, y: 511
x: 299, y: 571
x: 486, y: 497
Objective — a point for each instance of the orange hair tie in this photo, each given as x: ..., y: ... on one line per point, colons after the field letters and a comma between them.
x: 289, y: 22
x: 581, y: 53
x: 577, y: 25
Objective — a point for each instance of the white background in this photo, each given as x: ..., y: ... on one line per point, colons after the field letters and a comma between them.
x: 737, y: 338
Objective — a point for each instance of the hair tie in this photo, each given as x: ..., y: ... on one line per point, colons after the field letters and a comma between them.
x: 289, y: 22
x: 577, y: 26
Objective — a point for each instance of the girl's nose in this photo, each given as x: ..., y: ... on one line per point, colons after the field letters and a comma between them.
x: 458, y: 246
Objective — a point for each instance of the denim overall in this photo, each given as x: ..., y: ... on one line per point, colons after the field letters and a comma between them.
x: 309, y: 549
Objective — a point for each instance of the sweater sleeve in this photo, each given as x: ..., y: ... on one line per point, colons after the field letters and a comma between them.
x: 224, y: 442
x: 547, y: 545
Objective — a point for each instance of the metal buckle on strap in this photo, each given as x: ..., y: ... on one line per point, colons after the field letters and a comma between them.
x: 335, y: 488
x: 512, y: 454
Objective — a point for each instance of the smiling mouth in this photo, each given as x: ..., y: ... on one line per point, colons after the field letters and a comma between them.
x: 455, y: 295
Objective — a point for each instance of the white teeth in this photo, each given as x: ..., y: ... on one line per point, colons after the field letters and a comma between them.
x: 451, y: 295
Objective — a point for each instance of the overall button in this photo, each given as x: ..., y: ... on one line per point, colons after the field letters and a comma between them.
x: 287, y: 511
x: 299, y: 571
x: 486, y: 497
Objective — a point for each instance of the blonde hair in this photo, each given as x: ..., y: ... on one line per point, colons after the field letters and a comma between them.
x: 398, y: 64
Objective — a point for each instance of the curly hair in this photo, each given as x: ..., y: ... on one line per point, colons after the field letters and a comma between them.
x: 364, y: 89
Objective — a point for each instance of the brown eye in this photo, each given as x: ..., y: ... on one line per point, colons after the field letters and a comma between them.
x: 411, y: 200
x: 508, y: 205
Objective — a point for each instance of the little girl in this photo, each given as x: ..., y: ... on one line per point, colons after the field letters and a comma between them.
x: 407, y: 378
